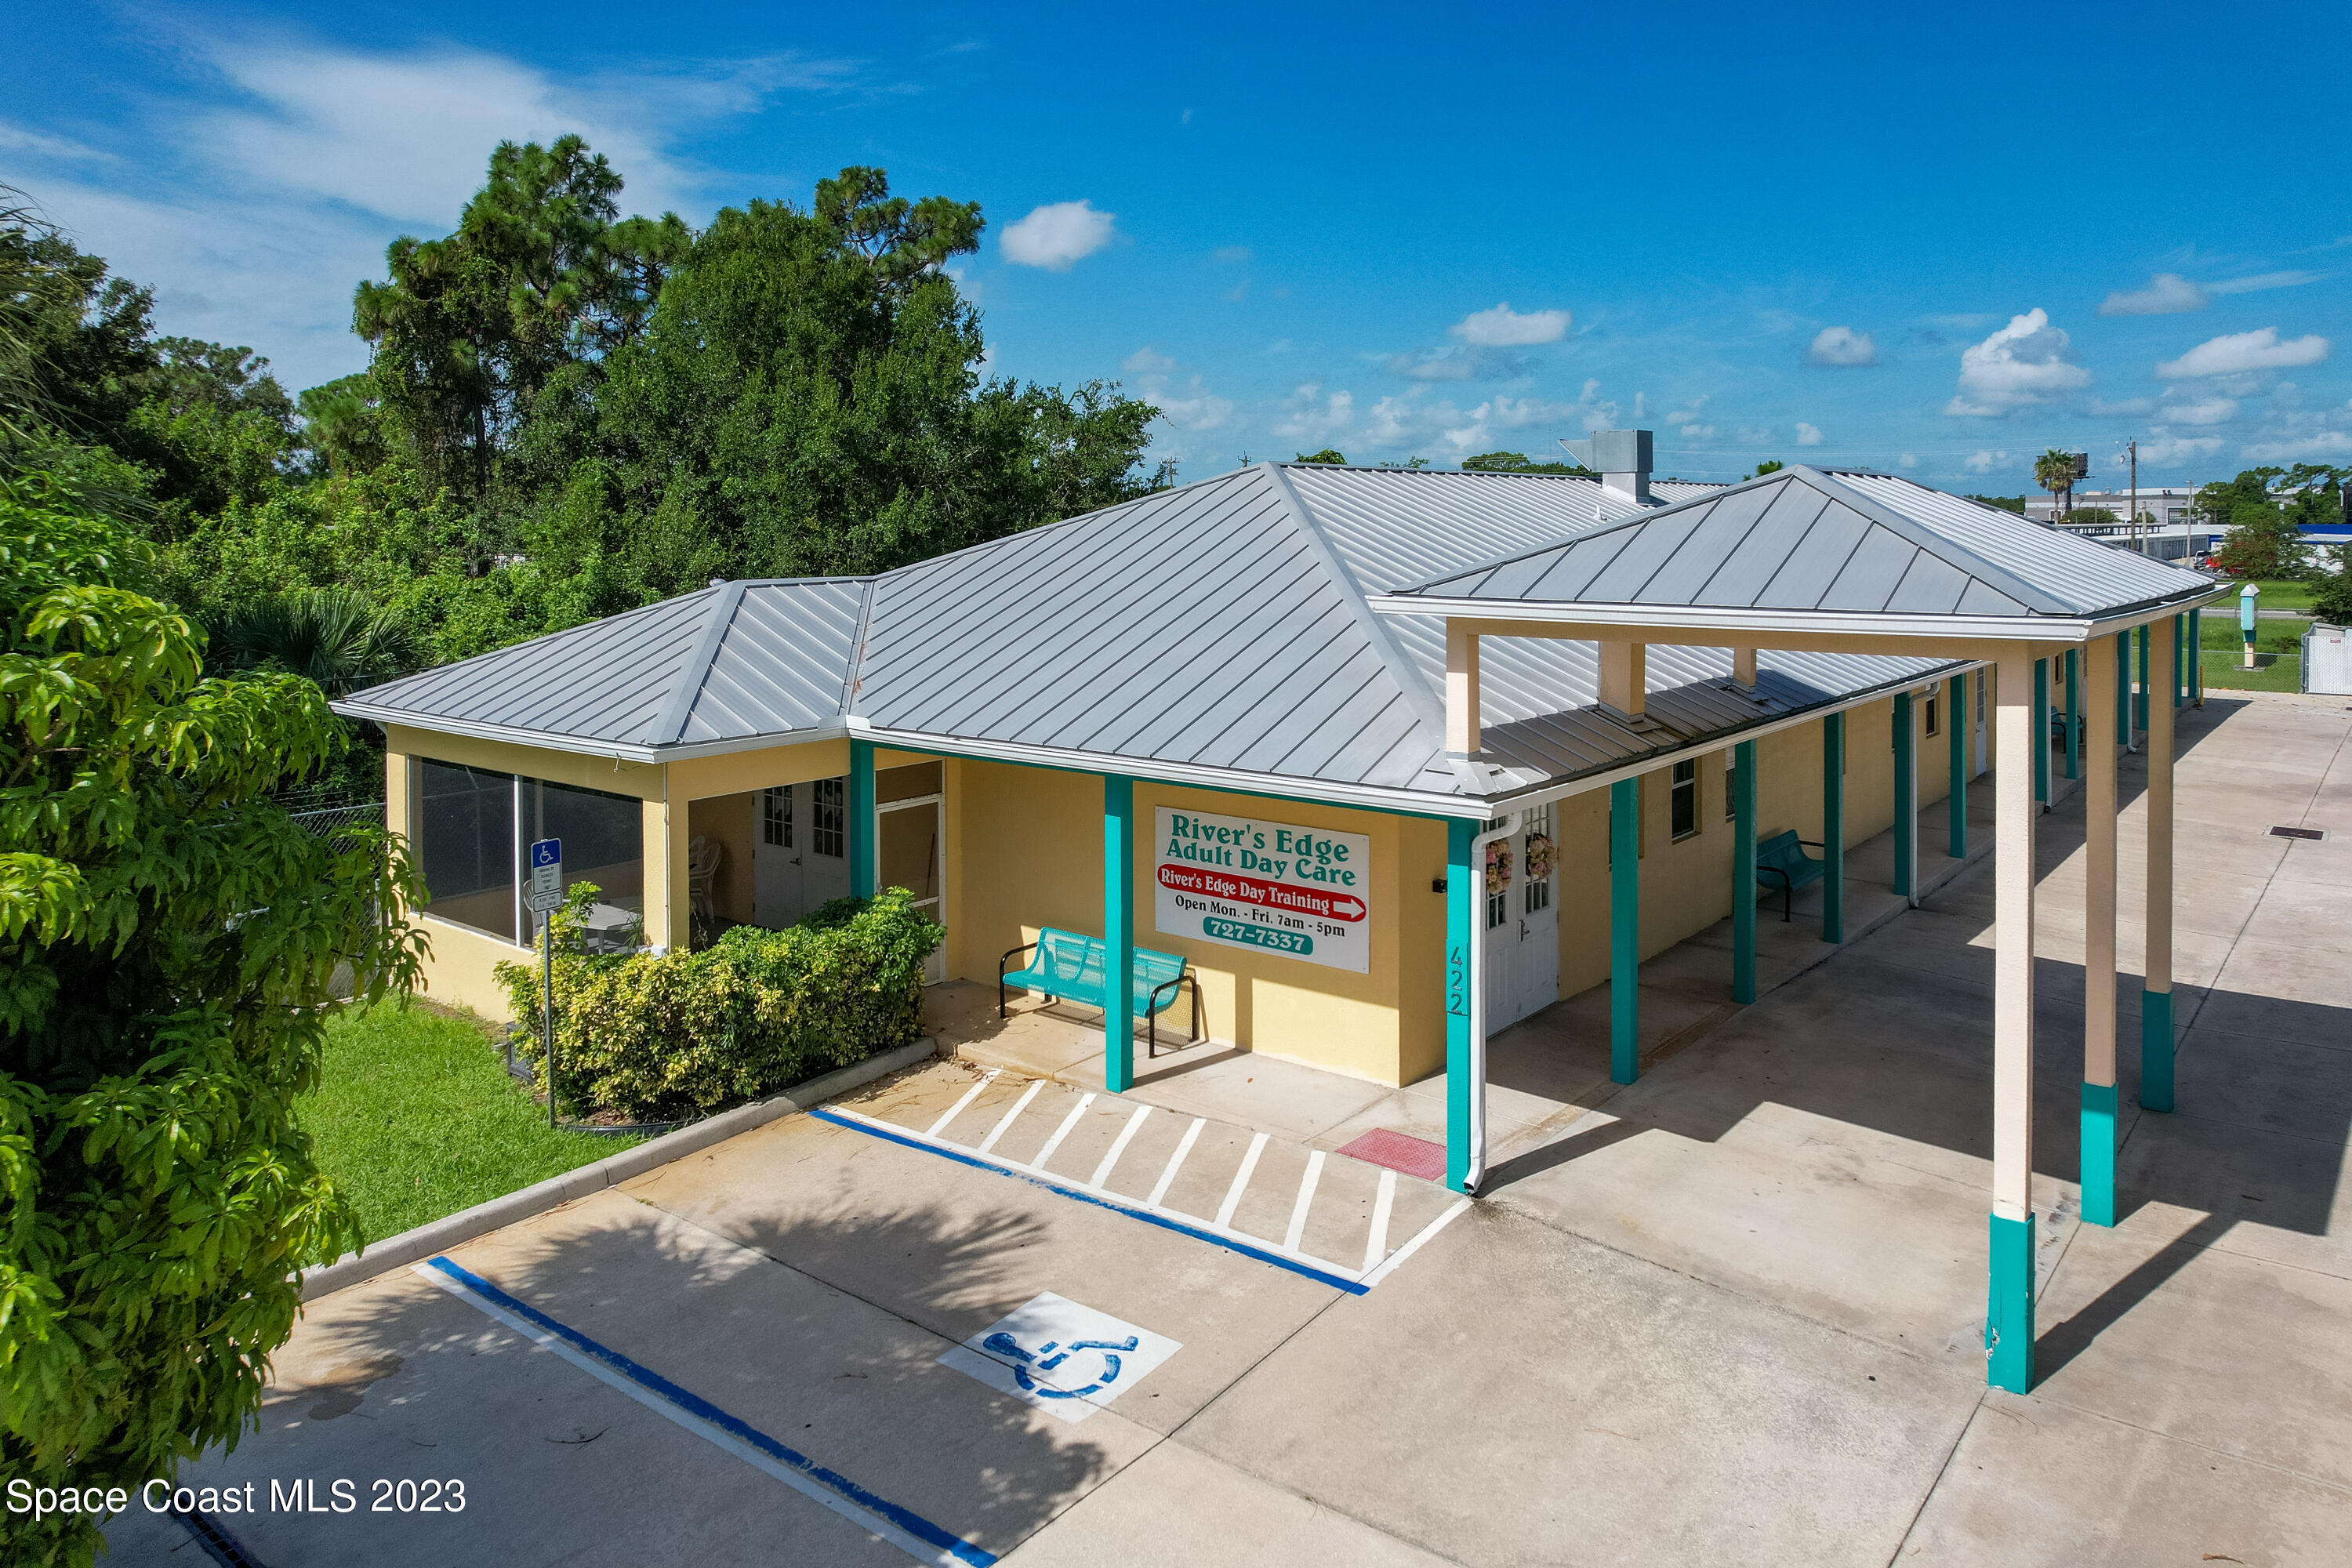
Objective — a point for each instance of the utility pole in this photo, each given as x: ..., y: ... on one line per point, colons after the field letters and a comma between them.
x: 2133, y: 447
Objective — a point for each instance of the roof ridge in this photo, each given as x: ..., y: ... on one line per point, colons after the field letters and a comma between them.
x: 1948, y: 551
x: 1424, y: 703
x: 696, y: 673
x: 438, y: 669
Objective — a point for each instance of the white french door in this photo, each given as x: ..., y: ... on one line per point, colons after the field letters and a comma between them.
x: 1521, y: 922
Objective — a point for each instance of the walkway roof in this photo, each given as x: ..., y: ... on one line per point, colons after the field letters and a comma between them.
x: 1220, y: 634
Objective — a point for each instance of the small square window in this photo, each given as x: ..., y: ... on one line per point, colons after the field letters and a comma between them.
x: 1935, y: 707
x: 1682, y: 805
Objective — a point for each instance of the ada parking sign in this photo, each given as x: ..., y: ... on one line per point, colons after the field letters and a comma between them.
x: 546, y: 876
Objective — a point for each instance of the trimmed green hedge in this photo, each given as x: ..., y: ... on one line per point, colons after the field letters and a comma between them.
x: 655, y: 1037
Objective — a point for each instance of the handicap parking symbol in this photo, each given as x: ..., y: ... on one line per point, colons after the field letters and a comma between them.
x: 1061, y: 1356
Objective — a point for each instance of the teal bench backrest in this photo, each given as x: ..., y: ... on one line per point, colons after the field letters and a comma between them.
x: 1155, y: 969
x: 1781, y: 846
x: 1066, y: 956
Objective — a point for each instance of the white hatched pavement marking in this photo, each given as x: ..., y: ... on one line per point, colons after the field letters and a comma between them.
x: 1240, y: 1181
x: 1176, y: 1161
x: 1410, y: 1248
x: 1061, y: 1133
x: 1005, y: 1124
x: 1118, y: 1146
x: 1376, y: 1245
x: 1290, y: 1237
x: 968, y: 1096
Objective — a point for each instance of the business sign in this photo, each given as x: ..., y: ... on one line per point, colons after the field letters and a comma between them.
x: 1301, y: 892
x: 546, y: 891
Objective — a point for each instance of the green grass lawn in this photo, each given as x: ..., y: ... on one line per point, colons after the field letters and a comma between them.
x: 2271, y: 672
x: 416, y: 1117
x: 2278, y: 595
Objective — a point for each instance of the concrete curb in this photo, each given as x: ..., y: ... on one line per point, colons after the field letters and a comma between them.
x: 440, y: 1234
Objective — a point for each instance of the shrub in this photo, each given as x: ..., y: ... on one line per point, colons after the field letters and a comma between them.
x: 2331, y: 601
x: 658, y: 1036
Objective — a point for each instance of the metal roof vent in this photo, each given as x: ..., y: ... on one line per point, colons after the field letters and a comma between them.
x: 1621, y: 458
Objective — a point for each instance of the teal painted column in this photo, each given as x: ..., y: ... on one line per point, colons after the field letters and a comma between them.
x: 2099, y: 1102
x: 1743, y: 873
x: 2197, y: 657
x: 2009, y: 1306
x: 2041, y: 731
x: 2123, y: 690
x: 2139, y: 702
x: 1461, y: 908
x: 1624, y: 931
x: 1119, y: 934
x: 861, y: 819
x: 1834, y: 828
x: 1957, y: 725
x: 2073, y: 713
x: 1907, y: 795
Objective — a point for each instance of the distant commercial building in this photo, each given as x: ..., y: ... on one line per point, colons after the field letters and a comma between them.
x: 2166, y: 504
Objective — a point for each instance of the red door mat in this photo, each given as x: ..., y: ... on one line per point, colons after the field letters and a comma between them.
x: 1399, y: 1151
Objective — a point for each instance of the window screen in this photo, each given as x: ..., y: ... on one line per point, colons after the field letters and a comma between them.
x: 465, y: 844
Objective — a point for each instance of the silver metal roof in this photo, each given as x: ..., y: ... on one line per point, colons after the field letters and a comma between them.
x: 1845, y: 540
x: 1221, y: 630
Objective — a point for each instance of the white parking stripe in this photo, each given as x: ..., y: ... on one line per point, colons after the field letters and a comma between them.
x: 1061, y: 1133
x: 1376, y: 1245
x: 1290, y: 1238
x: 968, y: 1096
x: 1176, y: 1161
x: 1410, y: 1248
x: 1005, y: 1125
x: 1118, y: 1146
x: 1241, y: 1180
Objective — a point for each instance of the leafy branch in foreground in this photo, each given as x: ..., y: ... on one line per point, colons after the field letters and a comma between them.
x: 170, y: 942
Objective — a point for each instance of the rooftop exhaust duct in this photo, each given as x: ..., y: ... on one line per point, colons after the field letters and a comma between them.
x: 1621, y: 459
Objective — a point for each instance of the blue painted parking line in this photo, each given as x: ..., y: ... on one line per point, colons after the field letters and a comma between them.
x: 903, y: 1527
x: 1199, y: 1230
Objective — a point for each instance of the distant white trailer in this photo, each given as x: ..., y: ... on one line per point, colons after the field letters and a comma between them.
x: 2327, y: 660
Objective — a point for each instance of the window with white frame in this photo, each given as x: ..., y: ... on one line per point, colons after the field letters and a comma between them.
x: 1538, y: 864
x: 828, y: 818
x: 1934, y: 709
x: 776, y: 817
x: 1683, y: 802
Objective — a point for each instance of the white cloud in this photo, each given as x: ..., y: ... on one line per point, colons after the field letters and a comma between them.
x: 2167, y: 294
x: 1698, y: 433
x: 1228, y: 255
x: 1311, y: 417
x: 1984, y: 462
x: 1907, y: 460
x: 40, y: 144
x: 2023, y: 364
x: 2318, y: 444
x: 1688, y: 416
x: 1147, y: 360
x: 1593, y: 411
x: 1752, y: 435
x: 1841, y: 346
x: 2163, y: 449
x: 2205, y: 411
x: 1057, y: 236
x: 2237, y: 352
x: 2130, y: 407
x: 1198, y: 409
x: 1808, y: 434
x: 1504, y: 327
x: 2262, y: 281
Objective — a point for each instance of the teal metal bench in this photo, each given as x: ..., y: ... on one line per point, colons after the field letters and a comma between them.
x: 1782, y: 859
x: 1068, y: 964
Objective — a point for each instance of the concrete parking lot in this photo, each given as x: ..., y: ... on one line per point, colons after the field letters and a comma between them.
x: 1730, y: 1313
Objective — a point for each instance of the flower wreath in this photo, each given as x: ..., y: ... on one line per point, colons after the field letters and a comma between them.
x: 1498, y: 866
x: 1539, y: 856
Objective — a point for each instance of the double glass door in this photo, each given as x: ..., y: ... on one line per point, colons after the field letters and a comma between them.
x: 1522, y: 923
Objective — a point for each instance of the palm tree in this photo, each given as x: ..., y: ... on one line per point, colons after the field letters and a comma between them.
x: 2054, y: 472
x: 330, y: 636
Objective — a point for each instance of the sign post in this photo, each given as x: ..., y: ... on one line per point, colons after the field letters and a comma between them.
x: 2248, y: 596
x: 546, y: 897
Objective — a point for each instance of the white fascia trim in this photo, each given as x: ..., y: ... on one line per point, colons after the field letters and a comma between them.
x: 590, y: 746
x: 2003, y: 628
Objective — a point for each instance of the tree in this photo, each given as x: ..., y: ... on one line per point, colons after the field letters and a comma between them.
x: 2006, y: 503
x: 1769, y: 466
x: 2331, y: 595
x: 2054, y: 472
x: 332, y: 637
x: 805, y: 399
x: 2092, y: 517
x: 168, y: 945
x: 1329, y: 454
x: 1517, y: 463
x: 2265, y: 511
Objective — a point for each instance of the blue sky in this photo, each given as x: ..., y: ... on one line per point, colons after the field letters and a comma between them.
x: 1930, y: 239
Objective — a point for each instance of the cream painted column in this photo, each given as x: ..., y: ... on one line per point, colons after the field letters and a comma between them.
x: 2009, y: 1315
x: 1743, y: 666
x: 2099, y: 1096
x: 2156, y: 990
x: 1461, y: 690
x: 663, y: 845
x: 1625, y: 676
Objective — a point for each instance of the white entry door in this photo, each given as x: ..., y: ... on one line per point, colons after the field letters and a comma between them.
x: 1522, y: 923
x: 800, y: 856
